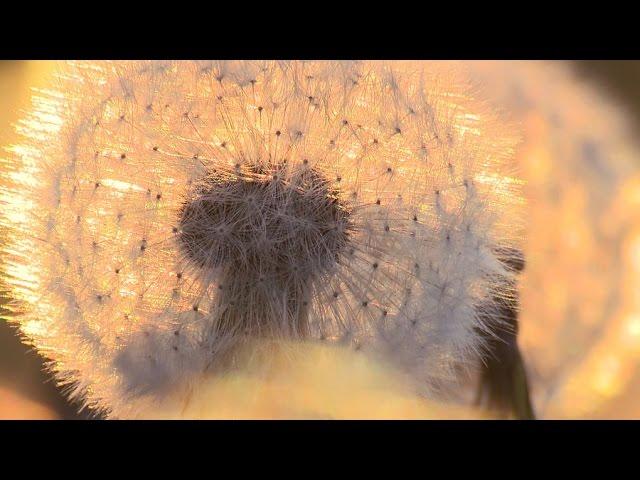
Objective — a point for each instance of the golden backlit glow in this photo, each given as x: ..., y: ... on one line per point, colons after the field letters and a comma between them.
x: 583, y: 355
x: 15, y: 406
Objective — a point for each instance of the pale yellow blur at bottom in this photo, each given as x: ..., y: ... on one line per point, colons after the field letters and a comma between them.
x: 302, y: 381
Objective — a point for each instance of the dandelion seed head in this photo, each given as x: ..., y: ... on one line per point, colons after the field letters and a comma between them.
x: 160, y: 213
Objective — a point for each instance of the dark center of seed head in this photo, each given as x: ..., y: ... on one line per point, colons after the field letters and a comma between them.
x: 281, y: 227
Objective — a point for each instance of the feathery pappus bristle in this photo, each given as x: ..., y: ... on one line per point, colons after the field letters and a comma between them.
x: 159, y: 214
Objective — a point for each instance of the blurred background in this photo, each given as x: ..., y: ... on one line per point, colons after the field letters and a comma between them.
x: 580, y: 319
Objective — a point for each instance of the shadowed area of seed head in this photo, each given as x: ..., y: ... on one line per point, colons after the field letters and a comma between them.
x: 267, y: 225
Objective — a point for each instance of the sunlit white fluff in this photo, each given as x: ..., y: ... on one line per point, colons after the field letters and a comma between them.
x: 94, y: 204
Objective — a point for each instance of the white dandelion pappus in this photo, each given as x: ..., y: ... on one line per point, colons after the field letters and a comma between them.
x: 161, y: 214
